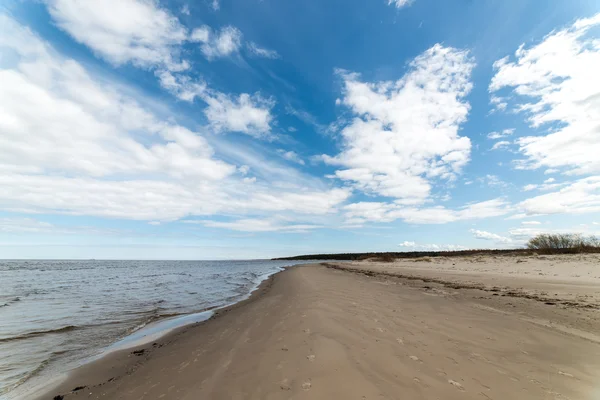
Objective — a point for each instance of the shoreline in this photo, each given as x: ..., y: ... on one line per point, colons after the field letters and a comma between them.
x: 284, y: 341
x: 137, y: 340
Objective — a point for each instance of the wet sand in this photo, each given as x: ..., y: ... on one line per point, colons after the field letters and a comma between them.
x: 371, y: 331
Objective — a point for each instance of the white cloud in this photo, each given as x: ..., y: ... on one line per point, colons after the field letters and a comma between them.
x: 399, y: 3
x: 247, y: 114
x: 123, y: 31
x: 18, y: 225
x: 259, y: 225
x: 244, y: 169
x: 582, y: 196
x: 525, y: 233
x: 182, y: 86
x: 185, y: 9
x: 498, y: 103
x: 291, y: 156
x: 156, y: 199
x: 501, y: 134
x: 493, y: 181
x: 531, y: 223
x: 73, y: 143
x: 500, y: 145
x: 386, y: 212
x: 262, y: 52
x: 405, y: 133
x: 557, y: 79
x: 55, y: 117
x: 201, y: 34
x: 431, y: 247
x: 224, y: 43
x: 490, y: 236
x: 25, y: 225
x: 546, y: 186
x: 142, y: 33
x: 215, y: 5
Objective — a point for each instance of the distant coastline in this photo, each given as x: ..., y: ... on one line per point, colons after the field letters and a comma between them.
x: 383, y: 256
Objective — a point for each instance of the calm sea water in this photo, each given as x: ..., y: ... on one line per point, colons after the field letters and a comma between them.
x: 54, y: 314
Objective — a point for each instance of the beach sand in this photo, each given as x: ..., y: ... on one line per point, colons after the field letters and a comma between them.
x: 467, y: 329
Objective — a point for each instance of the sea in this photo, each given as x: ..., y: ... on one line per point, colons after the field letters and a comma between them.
x: 58, y: 314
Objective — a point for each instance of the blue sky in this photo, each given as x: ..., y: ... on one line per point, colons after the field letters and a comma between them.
x: 260, y: 128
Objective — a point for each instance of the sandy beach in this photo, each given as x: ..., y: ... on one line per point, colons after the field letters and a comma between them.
x: 442, y: 328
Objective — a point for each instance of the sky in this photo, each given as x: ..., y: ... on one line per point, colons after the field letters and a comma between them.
x: 228, y: 129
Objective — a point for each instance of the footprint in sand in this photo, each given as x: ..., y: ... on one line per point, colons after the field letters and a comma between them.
x: 414, y: 358
x: 456, y: 384
x: 307, y: 331
x: 400, y: 341
x: 285, y: 385
x: 381, y: 330
x: 306, y: 386
x: 311, y: 357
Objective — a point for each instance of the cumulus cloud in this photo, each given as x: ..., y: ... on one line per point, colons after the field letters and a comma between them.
x: 484, y: 235
x: 74, y: 143
x: 557, y: 81
x: 522, y: 234
x: 249, y: 114
x: 386, y: 212
x: 261, y: 52
x: 291, y: 156
x: 399, y: 3
x: 531, y: 223
x: 405, y: 133
x: 582, y: 196
x: 406, y: 243
x: 223, y: 43
x: 123, y: 31
x: 142, y: 33
x: 498, y: 104
x: 57, y: 118
x: 500, y: 145
x: 549, y: 184
x: 182, y: 86
x: 493, y: 181
x: 499, y: 135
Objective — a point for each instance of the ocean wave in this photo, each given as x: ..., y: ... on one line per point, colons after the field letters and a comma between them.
x: 30, y: 374
x: 156, y: 315
x: 33, y: 334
